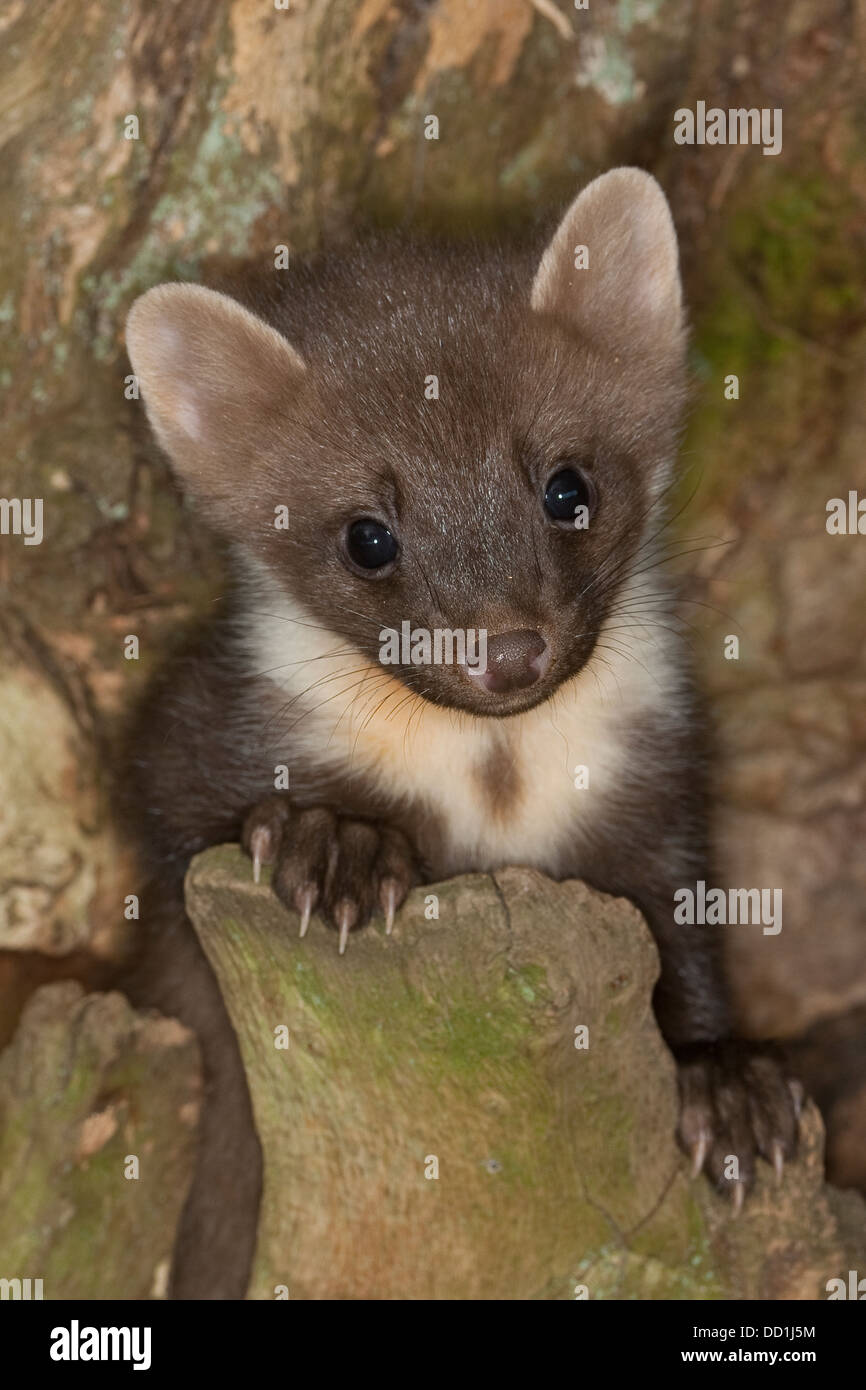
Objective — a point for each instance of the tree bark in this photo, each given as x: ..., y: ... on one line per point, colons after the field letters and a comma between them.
x: 432, y: 1129
x: 86, y: 1087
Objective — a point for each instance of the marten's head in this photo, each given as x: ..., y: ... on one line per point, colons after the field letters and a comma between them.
x: 412, y: 441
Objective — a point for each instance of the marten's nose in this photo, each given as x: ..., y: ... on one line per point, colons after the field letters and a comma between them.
x: 514, y: 661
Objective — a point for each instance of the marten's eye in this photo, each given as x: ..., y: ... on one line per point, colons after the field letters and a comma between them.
x: 370, y: 545
x: 567, y: 490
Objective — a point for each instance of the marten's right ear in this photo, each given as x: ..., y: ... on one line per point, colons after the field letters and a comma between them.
x: 215, y: 379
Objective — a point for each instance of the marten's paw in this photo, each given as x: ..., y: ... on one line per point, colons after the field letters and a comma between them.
x: 736, y: 1101
x: 344, y: 869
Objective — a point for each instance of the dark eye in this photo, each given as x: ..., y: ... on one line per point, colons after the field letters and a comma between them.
x: 370, y: 544
x: 567, y: 490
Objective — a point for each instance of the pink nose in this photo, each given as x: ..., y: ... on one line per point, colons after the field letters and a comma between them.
x: 514, y: 661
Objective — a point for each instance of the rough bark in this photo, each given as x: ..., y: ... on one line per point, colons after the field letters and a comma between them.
x: 85, y: 1085
x: 454, y: 1040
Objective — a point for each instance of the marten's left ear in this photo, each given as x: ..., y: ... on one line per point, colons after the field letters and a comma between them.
x: 611, y: 271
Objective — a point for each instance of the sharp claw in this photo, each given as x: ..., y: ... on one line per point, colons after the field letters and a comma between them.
x: 778, y: 1161
x: 305, y: 901
x: 344, y: 933
x: 388, y: 893
x: 699, y: 1153
x: 739, y: 1197
x: 259, y: 846
x: 305, y: 919
x: 347, y: 916
x: 797, y: 1096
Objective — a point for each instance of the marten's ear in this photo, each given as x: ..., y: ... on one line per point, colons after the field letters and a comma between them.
x: 611, y: 271
x: 215, y: 379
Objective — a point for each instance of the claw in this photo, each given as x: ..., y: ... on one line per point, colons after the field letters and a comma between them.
x: 699, y: 1152
x: 739, y: 1197
x: 388, y: 896
x: 346, y: 916
x: 305, y: 901
x: 260, y: 844
x: 778, y: 1161
x: 798, y: 1095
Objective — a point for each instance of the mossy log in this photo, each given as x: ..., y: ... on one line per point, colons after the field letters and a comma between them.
x: 433, y: 1126
x: 477, y: 1107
